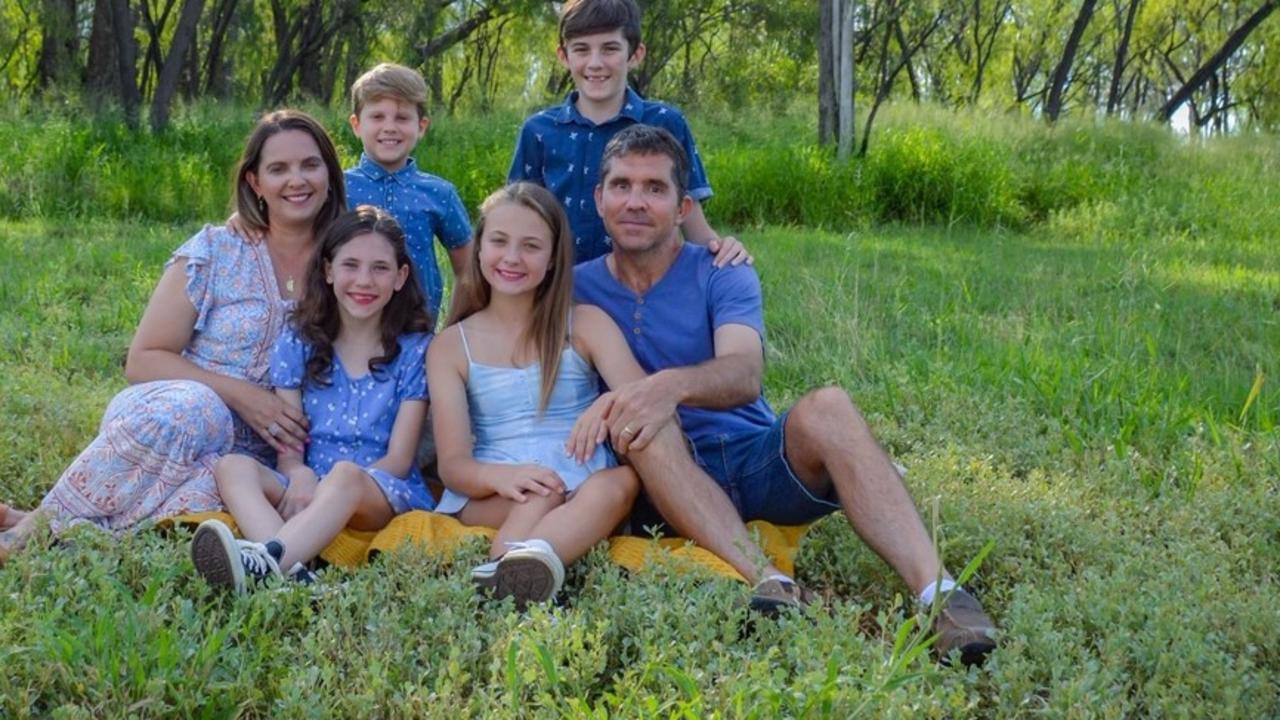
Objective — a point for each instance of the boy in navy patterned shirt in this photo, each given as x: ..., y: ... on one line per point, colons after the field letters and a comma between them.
x: 390, y: 117
x: 560, y: 148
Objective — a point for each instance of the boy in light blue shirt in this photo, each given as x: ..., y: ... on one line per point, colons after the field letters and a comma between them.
x: 560, y: 148
x: 390, y: 117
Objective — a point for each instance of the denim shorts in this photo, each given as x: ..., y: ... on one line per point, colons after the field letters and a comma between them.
x: 753, y: 471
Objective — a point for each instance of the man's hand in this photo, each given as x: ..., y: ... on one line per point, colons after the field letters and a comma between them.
x: 639, y: 411
x: 590, y: 430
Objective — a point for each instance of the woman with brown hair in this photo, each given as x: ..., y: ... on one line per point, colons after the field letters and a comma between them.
x: 197, y: 366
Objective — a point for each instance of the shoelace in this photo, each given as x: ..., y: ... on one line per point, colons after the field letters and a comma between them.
x: 257, y: 560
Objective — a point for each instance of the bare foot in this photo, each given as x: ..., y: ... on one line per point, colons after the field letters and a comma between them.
x: 10, y: 516
x: 8, y: 546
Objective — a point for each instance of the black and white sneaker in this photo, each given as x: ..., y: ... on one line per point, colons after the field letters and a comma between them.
x: 226, y: 562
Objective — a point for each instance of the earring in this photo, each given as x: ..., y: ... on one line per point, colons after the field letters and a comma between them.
x: 262, y: 204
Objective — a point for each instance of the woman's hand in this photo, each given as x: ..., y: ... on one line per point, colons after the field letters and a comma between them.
x: 516, y: 482
x: 282, y: 425
x: 301, y: 490
x: 590, y: 430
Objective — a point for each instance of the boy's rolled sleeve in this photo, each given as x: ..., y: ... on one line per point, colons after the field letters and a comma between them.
x: 455, y: 227
x: 699, y: 185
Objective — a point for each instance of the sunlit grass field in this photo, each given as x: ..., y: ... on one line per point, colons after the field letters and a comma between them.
x: 1087, y: 382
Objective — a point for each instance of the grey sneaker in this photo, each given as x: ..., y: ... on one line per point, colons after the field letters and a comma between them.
x: 225, y: 562
x: 774, y: 595
x: 963, y: 626
x: 530, y: 572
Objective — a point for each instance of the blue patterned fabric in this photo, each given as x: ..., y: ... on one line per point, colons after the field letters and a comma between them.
x: 426, y: 206
x: 561, y: 150
x: 352, y: 417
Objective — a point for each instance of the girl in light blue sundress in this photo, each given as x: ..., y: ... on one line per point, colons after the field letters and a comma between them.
x: 517, y: 415
x: 353, y: 362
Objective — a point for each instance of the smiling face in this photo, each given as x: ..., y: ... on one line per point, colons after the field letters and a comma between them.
x: 640, y: 203
x: 291, y: 178
x: 515, y: 249
x: 389, y: 128
x: 598, y: 64
x: 364, y: 276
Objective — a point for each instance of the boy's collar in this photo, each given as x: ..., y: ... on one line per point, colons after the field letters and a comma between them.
x: 375, y: 171
x: 632, y: 108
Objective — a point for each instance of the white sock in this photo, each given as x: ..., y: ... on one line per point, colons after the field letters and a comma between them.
x: 780, y: 578
x: 942, y: 586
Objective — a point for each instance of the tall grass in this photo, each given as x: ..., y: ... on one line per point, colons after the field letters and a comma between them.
x: 926, y: 166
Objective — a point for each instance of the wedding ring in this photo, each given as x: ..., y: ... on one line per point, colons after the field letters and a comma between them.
x: 273, y: 429
x: 628, y: 431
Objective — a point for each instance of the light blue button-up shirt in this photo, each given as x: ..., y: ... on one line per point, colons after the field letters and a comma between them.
x: 426, y: 207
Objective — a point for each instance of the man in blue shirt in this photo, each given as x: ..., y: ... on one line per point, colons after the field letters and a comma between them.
x: 560, y: 147
x: 699, y: 330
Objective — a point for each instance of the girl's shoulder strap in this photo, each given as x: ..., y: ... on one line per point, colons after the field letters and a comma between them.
x: 568, y: 328
x: 462, y: 333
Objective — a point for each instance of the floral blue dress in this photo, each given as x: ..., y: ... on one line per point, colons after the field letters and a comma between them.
x: 352, y: 417
x: 155, y: 449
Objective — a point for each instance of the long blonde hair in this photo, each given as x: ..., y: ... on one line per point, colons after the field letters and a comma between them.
x: 549, y: 327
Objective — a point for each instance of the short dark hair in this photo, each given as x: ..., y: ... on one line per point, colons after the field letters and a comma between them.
x: 649, y: 140
x: 587, y: 17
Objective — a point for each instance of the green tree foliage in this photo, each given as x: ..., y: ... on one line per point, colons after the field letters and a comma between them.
x: 485, y: 55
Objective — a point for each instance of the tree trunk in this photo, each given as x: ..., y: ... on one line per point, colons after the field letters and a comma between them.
x: 844, y: 125
x: 217, y: 73
x: 1122, y: 58
x: 59, y: 44
x: 1210, y: 66
x: 167, y: 84
x: 126, y: 60
x: 826, y: 72
x: 1058, y: 85
x: 102, y: 74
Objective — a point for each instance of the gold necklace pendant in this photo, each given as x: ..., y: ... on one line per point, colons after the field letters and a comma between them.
x: 288, y: 285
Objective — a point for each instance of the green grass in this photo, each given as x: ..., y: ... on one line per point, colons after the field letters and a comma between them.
x: 1077, y: 394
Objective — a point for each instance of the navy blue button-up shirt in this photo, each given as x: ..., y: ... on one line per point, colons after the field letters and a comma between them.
x: 426, y: 206
x: 561, y: 150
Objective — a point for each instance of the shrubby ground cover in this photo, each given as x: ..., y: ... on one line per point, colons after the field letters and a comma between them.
x: 1068, y: 335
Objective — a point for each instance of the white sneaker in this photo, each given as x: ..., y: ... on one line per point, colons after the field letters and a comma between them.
x: 530, y: 572
x: 485, y: 576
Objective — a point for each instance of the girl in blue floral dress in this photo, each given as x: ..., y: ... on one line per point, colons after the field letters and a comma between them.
x: 353, y: 362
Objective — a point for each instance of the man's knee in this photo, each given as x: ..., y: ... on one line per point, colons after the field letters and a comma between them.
x: 823, y: 409
x: 655, y: 462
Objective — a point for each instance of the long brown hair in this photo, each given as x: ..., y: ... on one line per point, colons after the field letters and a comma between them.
x: 245, y: 200
x: 549, y: 326
x: 316, y: 316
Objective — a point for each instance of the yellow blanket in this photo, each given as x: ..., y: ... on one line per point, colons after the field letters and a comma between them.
x: 442, y: 534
